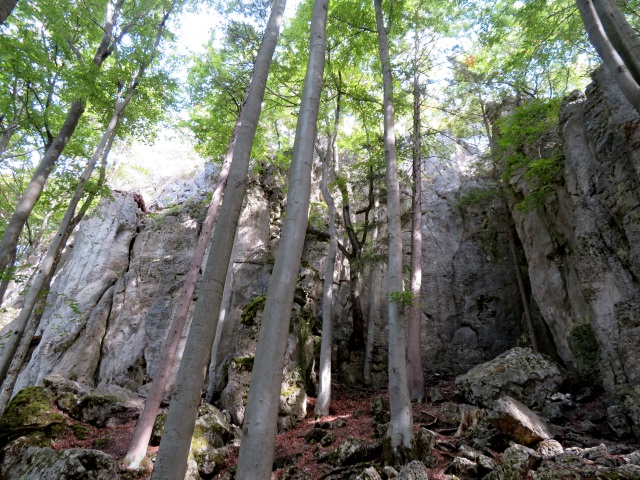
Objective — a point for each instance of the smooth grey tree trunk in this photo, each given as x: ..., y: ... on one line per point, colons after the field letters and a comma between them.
x: 259, y: 430
x: 401, y: 430
x: 614, y: 63
x: 324, y: 389
x: 214, y: 376
x: 373, y: 296
x: 6, y: 7
x: 415, y: 370
x: 171, y: 461
x: 33, y: 191
x: 622, y: 35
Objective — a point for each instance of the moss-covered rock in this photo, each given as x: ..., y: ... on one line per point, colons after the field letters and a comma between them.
x: 32, y: 408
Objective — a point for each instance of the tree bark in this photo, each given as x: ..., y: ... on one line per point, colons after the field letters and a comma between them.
x: 6, y: 7
x: 614, y: 63
x: 324, y: 390
x: 622, y: 35
x: 33, y: 191
x: 171, y: 461
x: 401, y: 430
x: 415, y: 370
x: 259, y: 430
x: 373, y: 296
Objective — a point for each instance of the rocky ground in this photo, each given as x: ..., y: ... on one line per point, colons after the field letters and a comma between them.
x: 528, y: 421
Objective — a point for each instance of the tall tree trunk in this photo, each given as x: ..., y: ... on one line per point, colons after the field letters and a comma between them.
x: 324, y: 390
x: 415, y: 370
x: 523, y: 292
x: 33, y: 191
x: 214, y: 375
x: 622, y: 35
x: 356, y: 340
x: 401, y: 431
x: 6, y: 7
x: 373, y: 296
x: 259, y: 430
x: 614, y: 63
x: 171, y: 461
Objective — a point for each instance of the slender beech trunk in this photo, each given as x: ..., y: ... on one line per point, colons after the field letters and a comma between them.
x: 415, y: 370
x: 259, y: 430
x: 611, y: 58
x: 47, y: 268
x: 33, y: 191
x: 214, y: 375
x: 401, y: 431
x: 373, y: 296
x: 622, y: 35
x: 324, y: 391
x: 171, y: 461
x: 6, y: 7
x: 523, y: 293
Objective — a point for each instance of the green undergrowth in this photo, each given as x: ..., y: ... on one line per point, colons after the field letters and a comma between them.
x: 527, y: 141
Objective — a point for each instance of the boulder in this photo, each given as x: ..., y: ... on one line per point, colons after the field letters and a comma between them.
x: 32, y: 408
x: 514, y: 419
x: 516, y: 462
x: 107, y: 407
x: 37, y: 463
x: 414, y: 470
x: 353, y: 450
x: 519, y: 373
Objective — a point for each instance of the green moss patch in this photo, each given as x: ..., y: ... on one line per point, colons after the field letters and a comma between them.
x: 31, y: 407
x: 251, y: 309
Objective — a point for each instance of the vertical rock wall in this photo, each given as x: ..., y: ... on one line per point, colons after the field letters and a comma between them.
x: 583, y: 245
x: 471, y: 306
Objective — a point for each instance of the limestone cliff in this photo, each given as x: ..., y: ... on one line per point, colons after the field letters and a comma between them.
x: 583, y: 245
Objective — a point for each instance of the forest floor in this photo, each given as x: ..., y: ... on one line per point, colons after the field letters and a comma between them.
x: 350, y: 416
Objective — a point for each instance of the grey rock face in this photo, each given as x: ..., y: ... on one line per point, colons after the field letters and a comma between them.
x: 73, y: 328
x: 519, y: 373
x: 472, y: 310
x: 583, y: 248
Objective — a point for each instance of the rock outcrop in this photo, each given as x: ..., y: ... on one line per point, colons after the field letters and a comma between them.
x: 583, y: 245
